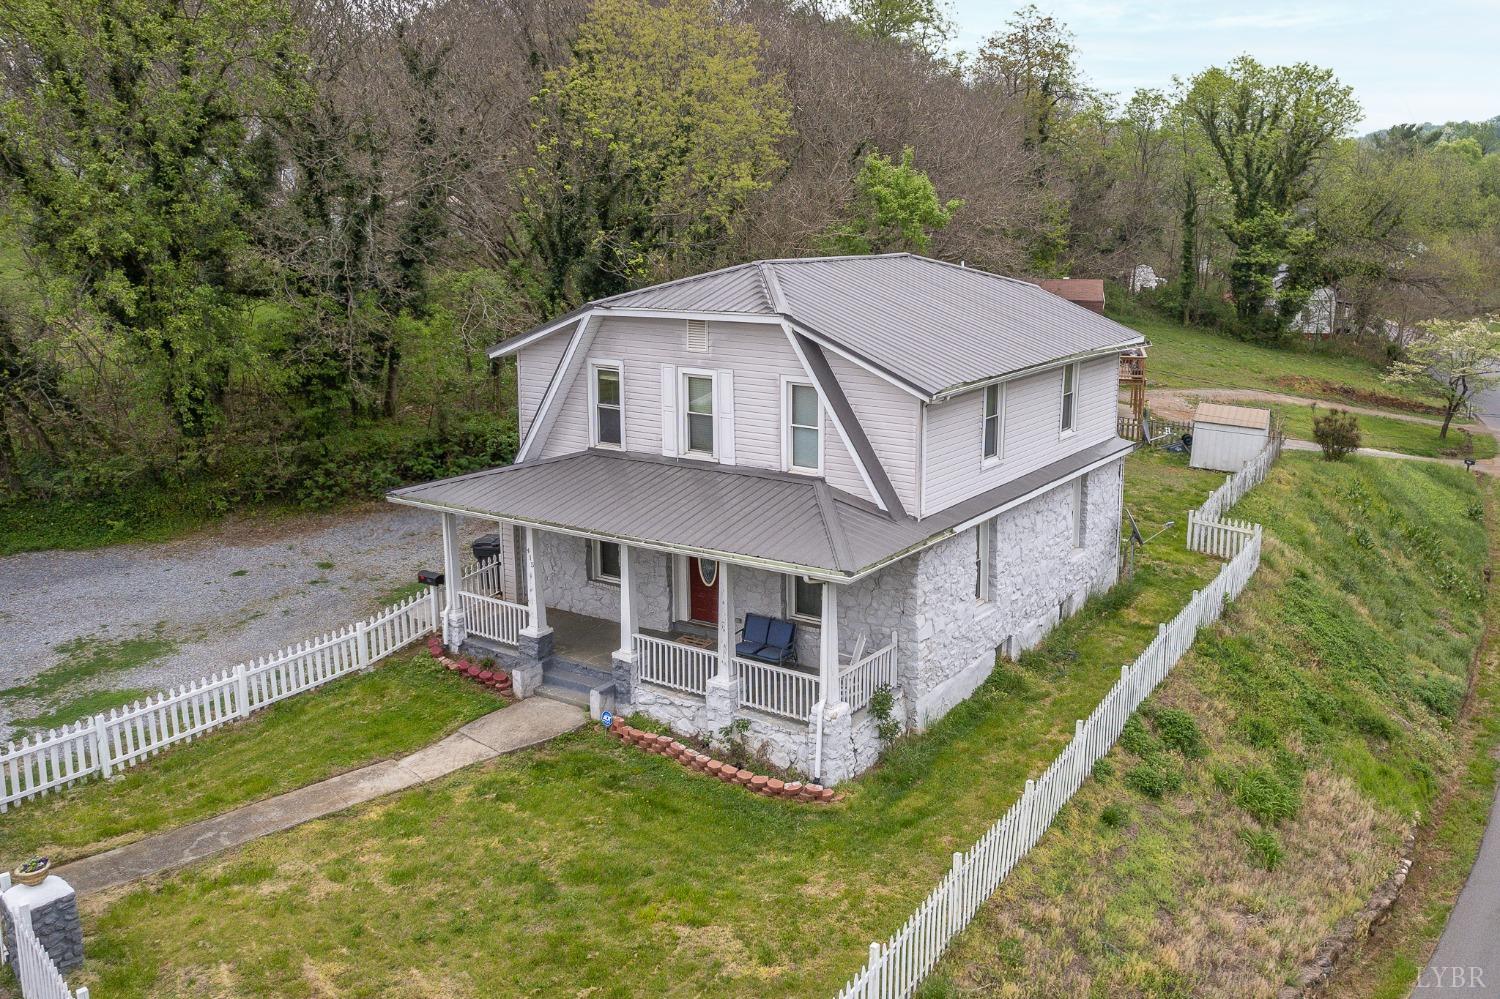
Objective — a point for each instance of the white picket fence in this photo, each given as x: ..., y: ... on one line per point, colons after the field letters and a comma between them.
x: 1237, y: 485
x: 38, y: 976
x: 895, y: 968
x: 1219, y: 538
x: 106, y: 743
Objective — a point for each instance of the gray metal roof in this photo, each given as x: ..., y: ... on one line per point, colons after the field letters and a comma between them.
x: 787, y: 522
x: 934, y: 326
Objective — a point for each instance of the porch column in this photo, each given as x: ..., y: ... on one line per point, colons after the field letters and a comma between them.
x: 722, y: 695
x: 455, y: 624
x: 828, y: 648
x: 623, y: 661
x: 834, y: 756
x: 535, y: 641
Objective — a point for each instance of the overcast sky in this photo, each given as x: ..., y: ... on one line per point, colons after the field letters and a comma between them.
x: 1425, y: 61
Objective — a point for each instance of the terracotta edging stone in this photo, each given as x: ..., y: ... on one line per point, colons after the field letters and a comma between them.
x: 762, y: 784
x: 496, y: 680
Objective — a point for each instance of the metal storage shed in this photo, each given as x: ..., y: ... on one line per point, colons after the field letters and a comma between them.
x: 1226, y: 437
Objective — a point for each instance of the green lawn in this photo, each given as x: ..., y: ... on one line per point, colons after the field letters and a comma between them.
x: 1389, y: 434
x: 589, y: 867
x: 403, y: 705
x: 1326, y: 706
x: 1186, y: 357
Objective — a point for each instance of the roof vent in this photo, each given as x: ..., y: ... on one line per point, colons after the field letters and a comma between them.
x: 697, y: 335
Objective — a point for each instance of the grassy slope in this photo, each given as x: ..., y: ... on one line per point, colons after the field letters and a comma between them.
x: 1333, y: 682
x: 585, y: 864
x: 1185, y: 357
x: 402, y: 706
x: 1390, y: 434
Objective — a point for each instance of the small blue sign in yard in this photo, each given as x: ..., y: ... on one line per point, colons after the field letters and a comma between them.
x: 607, y: 718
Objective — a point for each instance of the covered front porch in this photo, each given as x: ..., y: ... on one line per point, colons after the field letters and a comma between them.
x: 692, y: 650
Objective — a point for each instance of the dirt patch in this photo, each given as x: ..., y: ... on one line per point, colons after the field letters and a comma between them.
x: 1325, y: 389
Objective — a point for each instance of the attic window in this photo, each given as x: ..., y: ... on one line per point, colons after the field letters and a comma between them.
x: 697, y: 335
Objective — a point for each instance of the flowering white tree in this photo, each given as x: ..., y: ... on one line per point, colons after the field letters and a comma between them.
x: 1455, y: 359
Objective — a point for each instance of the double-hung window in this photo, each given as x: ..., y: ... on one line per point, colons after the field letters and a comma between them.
x: 609, y: 411
x: 804, y: 428
x: 804, y: 599
x: 698, y: 414
x: 994, y: 423
x: 1069, y: 397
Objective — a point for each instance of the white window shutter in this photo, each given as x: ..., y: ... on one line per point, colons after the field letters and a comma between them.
x: 724, y: 406
x: 669, y: 411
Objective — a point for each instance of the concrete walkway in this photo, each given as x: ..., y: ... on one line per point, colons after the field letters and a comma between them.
x: 518, y: 726
x: 1295, y: 444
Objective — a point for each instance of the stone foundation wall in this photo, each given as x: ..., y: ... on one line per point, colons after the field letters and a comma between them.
x: 1037, y: 578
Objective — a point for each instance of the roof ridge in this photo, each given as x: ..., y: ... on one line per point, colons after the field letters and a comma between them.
x: 688, y: 279
x: 838, y: 543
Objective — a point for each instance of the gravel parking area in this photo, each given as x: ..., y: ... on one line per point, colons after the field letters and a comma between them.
x: 150, y: 616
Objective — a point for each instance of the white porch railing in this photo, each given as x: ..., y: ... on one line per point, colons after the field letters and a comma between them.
x: 859, y: 681
x: 777, y: 690
x: 493, y: 618
x: 673, y: 664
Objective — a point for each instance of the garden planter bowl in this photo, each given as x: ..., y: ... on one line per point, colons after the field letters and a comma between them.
x: 35, y: 877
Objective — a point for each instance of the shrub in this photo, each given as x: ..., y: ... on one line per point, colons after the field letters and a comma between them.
x: 1337, y: 433
x: 1103, y: 770
x: 1179, y: 731
x: 1114, y: 815
x: 1441, y: 694
x: 1156, y: 776
x: 1136, y: 738
x: 882, y: 709
x: 1265, y: 851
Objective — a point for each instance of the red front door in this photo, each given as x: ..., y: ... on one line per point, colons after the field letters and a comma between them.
x: 703, y: 590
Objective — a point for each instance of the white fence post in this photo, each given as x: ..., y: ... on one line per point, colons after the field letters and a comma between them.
x: 101, y: 745
x: 241, y: 691
x: 362, y: 645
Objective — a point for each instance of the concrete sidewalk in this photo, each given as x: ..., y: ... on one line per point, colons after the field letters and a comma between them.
x: 518, y: 726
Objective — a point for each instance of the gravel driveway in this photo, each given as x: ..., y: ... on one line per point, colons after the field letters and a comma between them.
x: 151, y: 616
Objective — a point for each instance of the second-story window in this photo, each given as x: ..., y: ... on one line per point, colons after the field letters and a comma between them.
x: 608, y: 408
x: 804, y: 428
x: 1069, y: 396
x: 994, y: 422
x: 698, y: 414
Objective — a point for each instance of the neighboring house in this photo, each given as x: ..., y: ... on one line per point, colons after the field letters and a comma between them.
x: 1087, y: 292
x: 913, y: 462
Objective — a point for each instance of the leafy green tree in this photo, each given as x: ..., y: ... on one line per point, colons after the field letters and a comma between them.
x: 896, y: 207
x: 1034, y: 64
x: 1455, y: 359
x: 649, y: 143
x: 1269, y: 128
x: 923, y: 23
x: 128, y: 137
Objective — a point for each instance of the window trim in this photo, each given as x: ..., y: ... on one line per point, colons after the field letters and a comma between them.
x: 998, y: 389
x: 1077, y: 516
x: 790, y: 596
x: 684, y: 438
x: 1068, y: 401
x: 788, y: 383
x: 596, y: 562
x: 595, y: 366
x: 984, y: 559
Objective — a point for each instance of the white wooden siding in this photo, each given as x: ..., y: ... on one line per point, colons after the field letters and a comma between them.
x: 1032, y: 428
x: 889, y: 417
x: 758, y: 355
x: 535, y: 365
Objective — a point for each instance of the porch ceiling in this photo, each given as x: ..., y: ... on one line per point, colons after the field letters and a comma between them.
x: 789, y: 523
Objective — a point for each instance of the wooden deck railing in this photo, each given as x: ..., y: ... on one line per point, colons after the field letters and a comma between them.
x: 859, y: 681
x: 493, y: 618
x: 674, y: 665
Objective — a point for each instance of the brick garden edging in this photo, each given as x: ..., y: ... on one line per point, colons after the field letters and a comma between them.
x: 496, y: 679
x: 770, y: 787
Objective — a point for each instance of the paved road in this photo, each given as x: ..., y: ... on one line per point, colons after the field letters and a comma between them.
x: 154, y: 615
x: 1467, y: 959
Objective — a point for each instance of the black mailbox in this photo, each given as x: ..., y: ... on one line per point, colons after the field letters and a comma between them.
x: 486, y: 547
x: 431, y: 577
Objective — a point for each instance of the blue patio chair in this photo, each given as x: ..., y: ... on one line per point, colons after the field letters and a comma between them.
x: 757, y: 628
x: 781, y: 641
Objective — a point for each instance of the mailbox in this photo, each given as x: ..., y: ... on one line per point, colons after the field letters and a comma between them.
x: 430, y: 577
